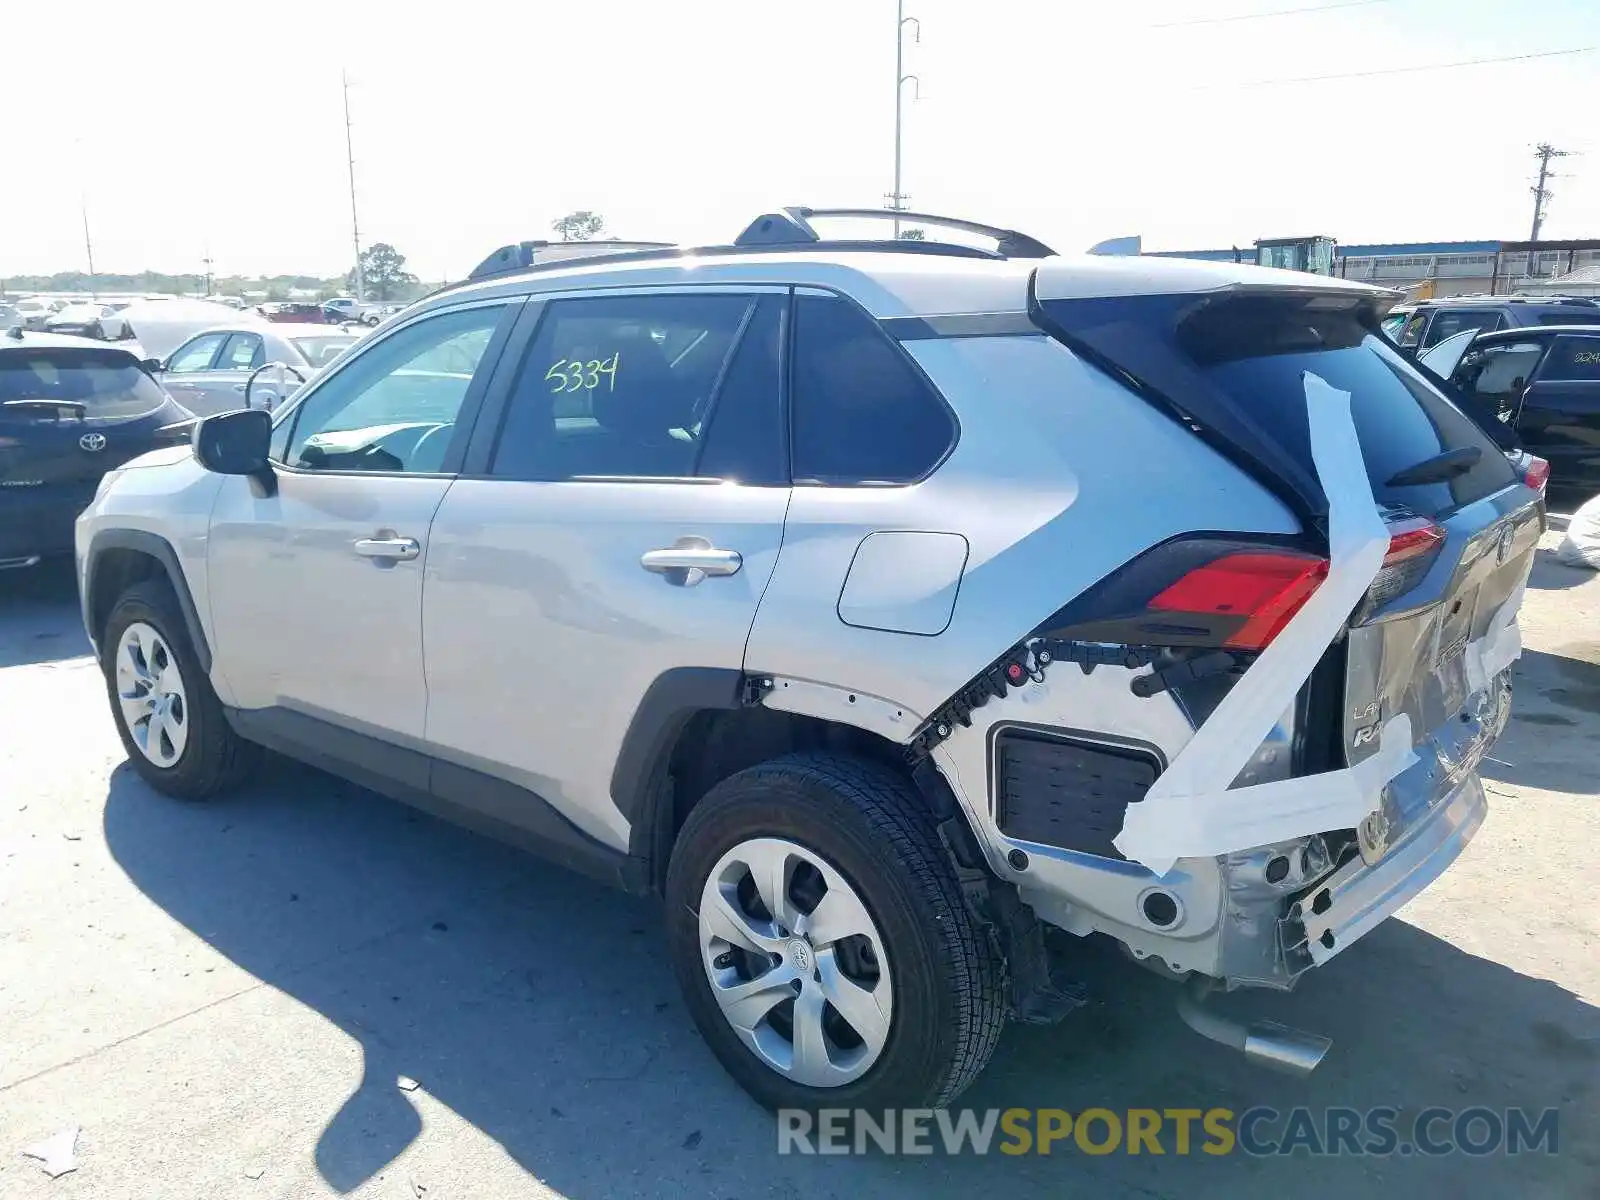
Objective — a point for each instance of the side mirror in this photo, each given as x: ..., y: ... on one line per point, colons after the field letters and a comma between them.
x: 152, y: 366
x: 236, y: 443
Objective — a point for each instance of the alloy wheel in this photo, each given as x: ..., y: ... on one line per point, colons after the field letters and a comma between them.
x: 150, y: 690
x: 796, y: 962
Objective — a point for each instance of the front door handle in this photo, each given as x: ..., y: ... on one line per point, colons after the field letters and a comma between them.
x: 387, y: 547
x: 690, y: 560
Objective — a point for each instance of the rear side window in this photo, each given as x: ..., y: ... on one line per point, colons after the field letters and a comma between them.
x: 860, y: 411
x: 108, y: 383
x: 1257, y: 351
x: 1574, y: 359
x: 1449, y: 322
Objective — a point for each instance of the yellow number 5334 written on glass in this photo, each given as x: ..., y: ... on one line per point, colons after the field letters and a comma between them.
x: 576, y: 375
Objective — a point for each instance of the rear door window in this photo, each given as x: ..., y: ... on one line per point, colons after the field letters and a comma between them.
x: 1574, y: 359
x: 243, y: 352
x: 679, y: 385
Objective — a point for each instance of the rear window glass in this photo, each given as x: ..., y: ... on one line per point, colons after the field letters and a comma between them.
x: 1257, y: 352
x: 1574, y: 358
x: 108, y: 383
x: 322, y: 350
x: 1575, y: 315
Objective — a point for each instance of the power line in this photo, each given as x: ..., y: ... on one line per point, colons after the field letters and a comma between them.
x: 1450, y: 66
x: 1282, y: 12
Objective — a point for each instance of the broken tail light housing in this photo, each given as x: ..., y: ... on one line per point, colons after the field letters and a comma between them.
x: 1413, y: 544
x: 1257, y: 591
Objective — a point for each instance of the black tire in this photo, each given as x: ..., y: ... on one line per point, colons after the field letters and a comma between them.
x: 97, y: 331
x: 215, y: 759
x: 868, y: 822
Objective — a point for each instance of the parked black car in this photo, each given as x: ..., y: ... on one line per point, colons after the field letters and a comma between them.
x: 1542, y: 384
x: 70, y: 410
x: 1434, y: 320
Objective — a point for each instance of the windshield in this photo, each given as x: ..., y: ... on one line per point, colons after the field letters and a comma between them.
x: 322, y: 349
x: 108, y: 383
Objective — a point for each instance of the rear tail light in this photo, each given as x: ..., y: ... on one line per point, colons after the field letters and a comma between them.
x: 1412, y: 546
x: 1263, y: 588
x: 1535, y: 472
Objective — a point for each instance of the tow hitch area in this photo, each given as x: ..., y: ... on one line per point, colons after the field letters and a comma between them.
x: 1291, y: 1051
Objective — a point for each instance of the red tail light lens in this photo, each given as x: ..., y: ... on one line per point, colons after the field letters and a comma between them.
x: 1266, y: 588
x: 1412, y: 545
x: 1412, y: 540
x: 1536, y: 473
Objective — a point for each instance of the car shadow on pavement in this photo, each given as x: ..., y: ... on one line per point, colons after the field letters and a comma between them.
x: 541, y: 1008
x: 1555, y: 720
x: 39, y: 617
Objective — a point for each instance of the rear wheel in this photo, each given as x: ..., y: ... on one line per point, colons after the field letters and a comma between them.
x: 822, y: 942
x: 169, y: 718
x: 97, y: 331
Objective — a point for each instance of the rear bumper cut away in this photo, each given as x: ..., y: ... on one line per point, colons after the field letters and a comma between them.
x: 1358, y: 896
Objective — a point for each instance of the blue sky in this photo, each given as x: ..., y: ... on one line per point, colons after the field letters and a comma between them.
x: 206, y: 126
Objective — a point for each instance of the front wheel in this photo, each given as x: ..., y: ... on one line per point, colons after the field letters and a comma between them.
x: 97, y: 331
x: 169, y: 718
x: 822, y: 942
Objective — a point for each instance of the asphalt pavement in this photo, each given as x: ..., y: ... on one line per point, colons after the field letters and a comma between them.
x: 308, y: 990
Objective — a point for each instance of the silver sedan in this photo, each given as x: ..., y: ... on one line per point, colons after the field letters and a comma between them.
x: 210, y: 372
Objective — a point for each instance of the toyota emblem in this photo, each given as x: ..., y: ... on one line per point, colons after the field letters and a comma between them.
x: 93, y: 441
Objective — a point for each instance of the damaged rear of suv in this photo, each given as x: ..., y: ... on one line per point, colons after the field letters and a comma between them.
x: 886, y: 606
x: 1406, y: 687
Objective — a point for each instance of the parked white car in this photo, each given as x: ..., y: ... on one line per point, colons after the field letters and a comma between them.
x: 212, y: 371
x: 354, y: 310
x: 34, y: 311
x: 90, y: 319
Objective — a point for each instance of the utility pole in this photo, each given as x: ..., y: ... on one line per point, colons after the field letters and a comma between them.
x: 350, y: 156
x: 1544, y: 151
x: 88, y: 244
x: 897, y: 198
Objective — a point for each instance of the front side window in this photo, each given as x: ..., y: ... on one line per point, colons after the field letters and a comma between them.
x: 860, y: 412
x: 394, y: 408
x: 663, y: 386
x: 195, y: 354
x: 1411, y: 331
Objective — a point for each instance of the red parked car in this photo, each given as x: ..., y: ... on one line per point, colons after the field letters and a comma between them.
x: 299, y: 313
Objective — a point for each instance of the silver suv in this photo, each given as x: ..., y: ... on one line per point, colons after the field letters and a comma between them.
x: 894, y: 609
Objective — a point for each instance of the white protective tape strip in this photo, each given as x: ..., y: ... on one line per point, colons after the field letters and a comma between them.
x: 1500, y: 645
x: 1190, y: 810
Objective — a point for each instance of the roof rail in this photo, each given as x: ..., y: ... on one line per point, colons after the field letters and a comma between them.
x: 522, y: 255
x: 792, y: 227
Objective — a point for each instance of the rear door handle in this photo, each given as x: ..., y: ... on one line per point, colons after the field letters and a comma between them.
x: 690, y: 560
x: 386, y: 546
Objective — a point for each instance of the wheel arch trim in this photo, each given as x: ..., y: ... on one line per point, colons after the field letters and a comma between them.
x: 156, y: 547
